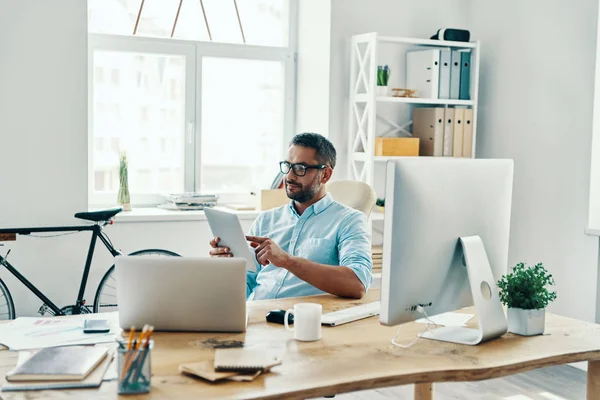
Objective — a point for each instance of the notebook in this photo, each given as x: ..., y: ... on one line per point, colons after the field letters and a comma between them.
x: 245, y: 360
x: 93, y: 380
x: 59, y: 363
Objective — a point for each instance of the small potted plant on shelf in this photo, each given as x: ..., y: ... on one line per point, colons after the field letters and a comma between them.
x: 383, y: 76
x: 123, y: 196
x: 380, y: 203
x: 524, y: 291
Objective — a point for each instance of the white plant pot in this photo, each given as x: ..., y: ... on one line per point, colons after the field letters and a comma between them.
x: 526, y: 322
x: 381, y: 90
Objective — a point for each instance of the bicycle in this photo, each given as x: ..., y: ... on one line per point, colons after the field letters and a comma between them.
x: 105, y: 297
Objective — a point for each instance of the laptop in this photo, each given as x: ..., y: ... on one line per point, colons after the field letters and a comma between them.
x: 182, y: 293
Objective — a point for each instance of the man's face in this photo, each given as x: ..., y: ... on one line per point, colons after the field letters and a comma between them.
x: 302, y: 188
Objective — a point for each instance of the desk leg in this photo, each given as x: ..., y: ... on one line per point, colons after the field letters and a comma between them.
x: 593, y: 379
x: 424, y: 391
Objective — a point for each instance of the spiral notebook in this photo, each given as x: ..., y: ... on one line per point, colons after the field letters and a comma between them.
x: 245, y: 360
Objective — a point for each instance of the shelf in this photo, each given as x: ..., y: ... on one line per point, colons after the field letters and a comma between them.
x: 377, y: 216
x: 427, y: 42
x: 363, y: 98
x: 359, y: 156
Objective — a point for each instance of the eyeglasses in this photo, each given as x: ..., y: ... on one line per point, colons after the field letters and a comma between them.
x: 298, y: 169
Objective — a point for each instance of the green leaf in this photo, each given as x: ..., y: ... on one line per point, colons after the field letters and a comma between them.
x: 526, y: 287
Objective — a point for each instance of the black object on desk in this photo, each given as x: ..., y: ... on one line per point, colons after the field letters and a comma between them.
x: 276, y: 316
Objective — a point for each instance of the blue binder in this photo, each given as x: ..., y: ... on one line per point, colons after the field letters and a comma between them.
x: 465, y: 75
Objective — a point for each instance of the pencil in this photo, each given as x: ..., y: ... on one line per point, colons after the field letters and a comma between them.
x: 131, y: 335
x: 131, y: 354
x: 143, y: 355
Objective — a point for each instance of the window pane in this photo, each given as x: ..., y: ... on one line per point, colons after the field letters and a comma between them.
x: 264, y: 22
x: 242, y: 123
x: 112, y: 16
x: 157, y: 18
x: 139, y: 110
x: 191, y: 23
x: 222, y: 21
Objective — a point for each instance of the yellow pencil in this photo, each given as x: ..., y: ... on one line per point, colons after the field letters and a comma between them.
x: 142, y: 336
x: 131, y: 334
x: 131, y: 348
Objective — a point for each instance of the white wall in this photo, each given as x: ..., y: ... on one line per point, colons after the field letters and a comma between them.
x: 535, y: 95
x: 388, y: 17
x: 594, y: 208
x: 43, y: 125
x: 312, y: 94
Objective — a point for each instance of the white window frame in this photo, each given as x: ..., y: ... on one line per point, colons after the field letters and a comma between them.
x: 194, y: 51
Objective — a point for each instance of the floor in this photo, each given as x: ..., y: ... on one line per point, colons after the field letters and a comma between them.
x: 554, y: 383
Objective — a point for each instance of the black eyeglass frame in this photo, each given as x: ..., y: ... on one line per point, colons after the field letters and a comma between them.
x: 286, y: 166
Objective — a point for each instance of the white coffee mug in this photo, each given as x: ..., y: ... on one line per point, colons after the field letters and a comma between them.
x: 307, y: 321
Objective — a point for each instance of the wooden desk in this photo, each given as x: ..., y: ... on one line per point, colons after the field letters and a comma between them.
x: 350, y: 357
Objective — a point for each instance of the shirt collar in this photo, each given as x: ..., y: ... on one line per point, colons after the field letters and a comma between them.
x: 317, y: 207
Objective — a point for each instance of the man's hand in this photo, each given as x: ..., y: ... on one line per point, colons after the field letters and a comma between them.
x: 218, y: 251
x: 268, y: 252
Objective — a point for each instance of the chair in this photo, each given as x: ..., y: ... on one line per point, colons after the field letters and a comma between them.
x: 355, y: 194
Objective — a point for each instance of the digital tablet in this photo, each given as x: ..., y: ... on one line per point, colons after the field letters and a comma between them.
x: 227, y: 227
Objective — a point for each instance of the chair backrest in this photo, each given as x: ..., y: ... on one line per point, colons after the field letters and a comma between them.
x: 355, y: 194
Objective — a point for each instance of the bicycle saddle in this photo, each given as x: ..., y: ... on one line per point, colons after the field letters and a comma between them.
x: 100, y: 215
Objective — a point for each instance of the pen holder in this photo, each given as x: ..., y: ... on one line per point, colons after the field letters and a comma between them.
x: 134, y: 369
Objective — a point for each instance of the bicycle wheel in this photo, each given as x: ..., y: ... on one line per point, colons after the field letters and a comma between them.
x: 7, y: 306
x: 106, y: 294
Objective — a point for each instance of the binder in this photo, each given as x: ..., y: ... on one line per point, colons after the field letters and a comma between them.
x: 423, y: 72
x: 465, y: 75
x: 448, y: 132
x: 445, y: 62
x: 428, y: 126
x: 459, y: 116
x: 455, y: 75
x: 468, y: 133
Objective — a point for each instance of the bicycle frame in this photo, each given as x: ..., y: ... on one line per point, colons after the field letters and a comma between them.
x: 96, y: 233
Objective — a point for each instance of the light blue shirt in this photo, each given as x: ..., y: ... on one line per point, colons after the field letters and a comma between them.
x: 327, y: 232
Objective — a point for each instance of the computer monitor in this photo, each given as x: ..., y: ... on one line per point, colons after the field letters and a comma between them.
x: 436, y: 210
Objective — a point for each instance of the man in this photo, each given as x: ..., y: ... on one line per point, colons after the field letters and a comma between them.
x: 314, y: 244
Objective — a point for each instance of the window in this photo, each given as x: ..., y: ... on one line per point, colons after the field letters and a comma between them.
x: 240, y: 153
x: 190, y: 115
x: 256, y: 22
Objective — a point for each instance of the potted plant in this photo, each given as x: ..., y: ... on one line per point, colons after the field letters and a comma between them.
x: 383, y: 76
x: 123, y: 196
x: 380, y: 203
x: 524, y: 291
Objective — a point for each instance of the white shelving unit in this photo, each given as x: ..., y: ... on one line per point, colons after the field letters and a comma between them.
x: 363, y: 101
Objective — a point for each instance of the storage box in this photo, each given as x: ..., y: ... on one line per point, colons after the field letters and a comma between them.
x: 406, y: 146
x: 272, y: 198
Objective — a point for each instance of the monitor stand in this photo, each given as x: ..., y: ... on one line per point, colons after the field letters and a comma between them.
x: 492, y: 322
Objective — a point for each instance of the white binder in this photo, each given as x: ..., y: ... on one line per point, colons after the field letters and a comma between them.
x: 423, y: 72
x: 445, y: 63
x: 455, y: 75
x: 459, y: 117
x: 448, y: 132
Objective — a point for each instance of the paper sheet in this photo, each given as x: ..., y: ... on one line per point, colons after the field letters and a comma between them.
x: 448, y: 319
x: 36, y: 333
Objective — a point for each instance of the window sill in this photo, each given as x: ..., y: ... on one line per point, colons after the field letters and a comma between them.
x: 592, y: 231
x: 150, y: 214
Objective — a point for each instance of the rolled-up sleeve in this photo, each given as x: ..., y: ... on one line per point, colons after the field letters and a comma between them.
x: 354, y: 247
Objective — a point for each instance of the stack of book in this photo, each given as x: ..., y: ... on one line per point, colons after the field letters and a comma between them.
x: 189, y: 201
x: 377, y: 256
x: 60, y: 368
